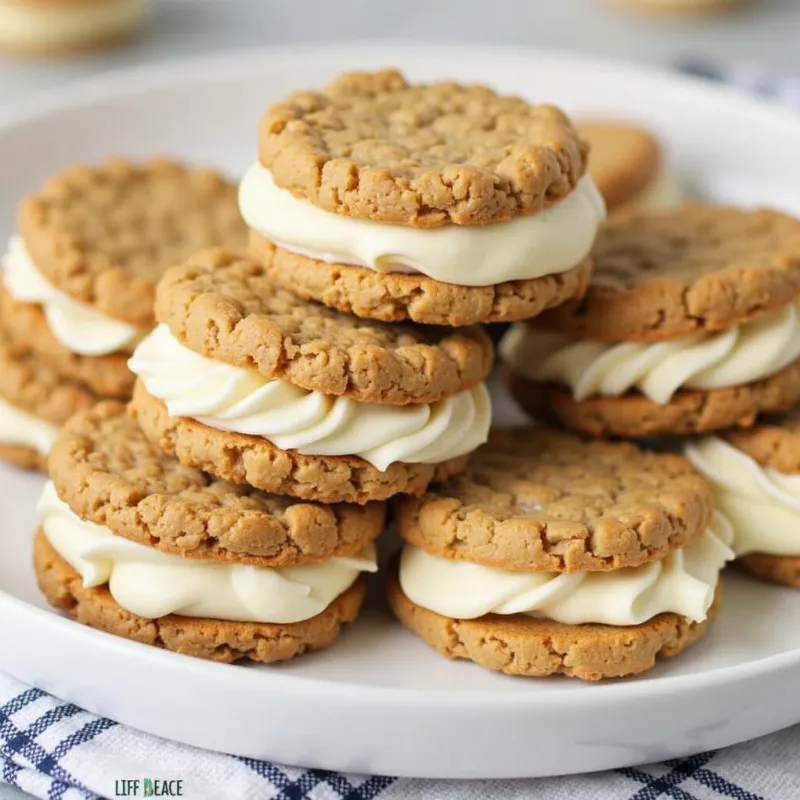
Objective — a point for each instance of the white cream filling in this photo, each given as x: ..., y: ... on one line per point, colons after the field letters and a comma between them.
x: 549, y: 242
x: 49, y: 24
x: 739, y: 355
x: 762, y: 504
x: 19, y: 428
x: 152, y: 584
x: 683, y: 583
x: 234, y: 399
x: 78, y: 327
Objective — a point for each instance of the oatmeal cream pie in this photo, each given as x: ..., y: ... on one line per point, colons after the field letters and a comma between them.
x: 690, y: 325
x: 35, y: 401
x: 57, y: 27
x: 755, y: 474
x: 255, y: 385
x: 551, y: 554
x: 135, y: 544
x: 628, y: 165
x: 440, y: 203
x: 79, y: 279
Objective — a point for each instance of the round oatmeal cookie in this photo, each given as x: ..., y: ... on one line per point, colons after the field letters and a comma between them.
x: 519, y: 644
x: 224, y: 306
x: 373, y: 146
x: 775, y: 569
x: 624, y: 159
x: 635, y: 416
x: 217, y: 640
x: 250, y: 459
x: 109, y: 473
x: 26, y: 327
x: 104, y: 235
x: 775, y: 442
x: 536, y: 499
x: 661, y: 274
x: 396, y: 296
x: 37, y: 388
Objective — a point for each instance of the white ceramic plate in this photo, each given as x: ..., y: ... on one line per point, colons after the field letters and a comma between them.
x: 380, y: 701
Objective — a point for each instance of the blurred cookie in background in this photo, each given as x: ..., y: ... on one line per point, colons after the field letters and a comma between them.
x: 628, y: 165
x: 685, y: 7
x: 63, y: 27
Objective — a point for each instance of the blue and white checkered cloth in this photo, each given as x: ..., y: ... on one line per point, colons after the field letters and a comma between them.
x: 57, y: 751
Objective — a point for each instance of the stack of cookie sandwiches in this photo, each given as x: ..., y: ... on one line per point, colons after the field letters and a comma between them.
x: 690, y: 325
x: 552, y: 554
x: 78, y: 283
x: 256, y: 385
x: 133, y: 543
x: 440, y: 203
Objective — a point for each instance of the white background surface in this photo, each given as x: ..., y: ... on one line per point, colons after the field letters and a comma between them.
x: 766, y: 36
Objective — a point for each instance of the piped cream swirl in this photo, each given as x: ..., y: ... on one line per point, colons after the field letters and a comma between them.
x: 78, y: 327
x: 152, y: 584
x: 739, y: 355
x: 683, y: 583
x: 549, y: 242
x: 234, y: 399
x: 762, y: 504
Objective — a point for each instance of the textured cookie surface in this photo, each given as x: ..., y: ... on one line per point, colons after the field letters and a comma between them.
x: 225, y: 307
x: 372, y: 146
x: 255, y: 461
x: 634, y: 415
x: 26, y: 327
x: 105, y: 234
x: 523, y: 645
x: 667, y: 273
x: 204, y: 638
x: 775, y: 442
x: 776, y: 569
x: 37, y: 388
x: 623, y: 159
x: 109, y: 473
x: 394, y: 297
x: 538, y: 499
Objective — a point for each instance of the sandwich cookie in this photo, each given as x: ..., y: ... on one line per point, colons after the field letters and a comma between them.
x: 135, y: 544
x: 555, y: 555
x: 61, y: 27
x: 756, y: 479
x: 690, y: 325
x: 628, y: 166
x: 79, y: 279
x: 35, y: 401
x: 253, y: 384
x: 440, y: 203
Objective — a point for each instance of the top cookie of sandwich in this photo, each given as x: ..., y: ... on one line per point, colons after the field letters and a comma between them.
x: 109, y: 473
x: 223, y: 306
x: 105, y: 234
x: 775, y: 442
x: 537, y: 499
x: 373, y: 146
x: 663, y: 274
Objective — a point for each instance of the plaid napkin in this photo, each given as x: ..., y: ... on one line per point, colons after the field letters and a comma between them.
x: 57, y: 751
